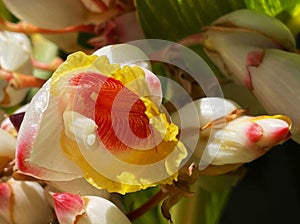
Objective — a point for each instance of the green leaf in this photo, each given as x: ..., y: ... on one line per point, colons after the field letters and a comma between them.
x: 272, y: 7
x: 175, y: 19
x: 4, y: 13
x: 204, y: 207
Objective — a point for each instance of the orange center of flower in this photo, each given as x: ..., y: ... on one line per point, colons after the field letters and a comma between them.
x: 117, y: 111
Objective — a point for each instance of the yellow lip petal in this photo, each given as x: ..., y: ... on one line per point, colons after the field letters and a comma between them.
x: 78, y: 62
x: 127, y: 181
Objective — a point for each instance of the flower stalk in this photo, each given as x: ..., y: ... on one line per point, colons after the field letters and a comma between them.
x: 19, y: 80
x: 23, y: 27
x: 151, y: 203
x: 52, y: 66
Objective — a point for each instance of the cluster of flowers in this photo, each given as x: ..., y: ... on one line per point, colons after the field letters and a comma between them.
x: 98, y: 125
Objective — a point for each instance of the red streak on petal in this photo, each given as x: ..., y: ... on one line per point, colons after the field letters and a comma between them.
x: 247, y: 81
x: 23, y: 152
x: 117, y: 111
x: 280, y: 133
x: 7, y: 200
x: 255, y: 58
x: 5, y: 193
x: 254, y: 132
x: 65, y: 203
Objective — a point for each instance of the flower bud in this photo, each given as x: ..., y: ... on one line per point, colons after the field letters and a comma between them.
x: 14, y: 57
x: 252, y: 49
x: 71, y: 208
x: 223, y: 135
x: 244, y: 139
x: 253, y: 21
x: 279, y: 70
x: 23, y: 202
x: 197, y: 114
x: 230, y: 40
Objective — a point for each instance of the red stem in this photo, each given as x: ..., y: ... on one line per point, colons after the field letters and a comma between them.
x: 26, y: 28
x: 52, y: 66
x: 154, y: 201
x: 194, y: 39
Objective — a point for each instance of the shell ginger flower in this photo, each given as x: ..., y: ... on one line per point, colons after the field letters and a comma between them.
x: 224, y: 137
x: 96, y: 120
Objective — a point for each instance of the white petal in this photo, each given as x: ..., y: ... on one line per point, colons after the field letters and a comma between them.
x: 78, y: 186
x: 260, y: 22
x: 229, y: 51
x: 276, y: 83
x: 124, y: 54
x: 71, y: 209
x: 14, y: 53
x: 99, y: 210
x: 29, y: 203
x: 53, y: 14
x: 191, y: 117
x: 68, y: 207
x: 39, y: 139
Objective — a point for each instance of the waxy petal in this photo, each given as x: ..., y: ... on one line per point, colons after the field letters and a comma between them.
x: 15, y: 56
x: 133, y: 56
x: 68, y: 207
x: 199, y: 113
x: 38, y: 149
x: 24, y: 202
x: 77, y: 186
x: 279, y: 70
x: 245, y: 139
x: 72, y: 208
x: 5, y: 195
x: 78, y: 62
x: 15, y: 52
x: 229, y: 50
x: 110, y: 214
x: 259, y: 22
x: 56, y: 10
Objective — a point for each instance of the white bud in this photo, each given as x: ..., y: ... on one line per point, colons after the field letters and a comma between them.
x: 23, y: 202
x: 71, y: 209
